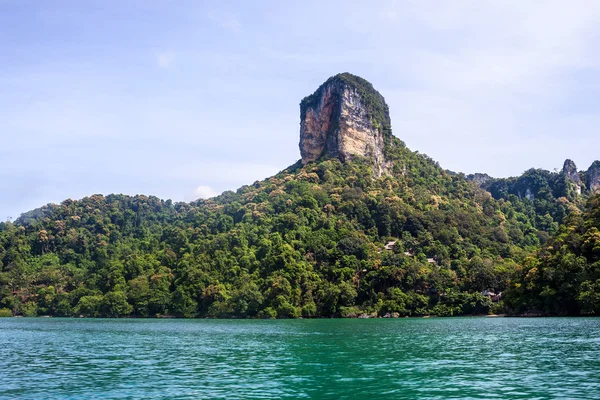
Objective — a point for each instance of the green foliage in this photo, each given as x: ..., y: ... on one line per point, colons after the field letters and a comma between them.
x: 114, y: 304
x: 545, y: 197
x: 564, y: 276
x: 307, y: 242
x: 29, y: 309
x: 89, y: 306
x: 589, y: 297
x: 5, y: 312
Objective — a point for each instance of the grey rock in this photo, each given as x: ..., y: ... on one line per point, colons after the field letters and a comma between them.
x: 336, y: 122
x: 571, y: 174
x: 593, y: 176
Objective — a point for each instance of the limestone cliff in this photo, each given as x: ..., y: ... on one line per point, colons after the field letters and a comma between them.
x: 571, y: 175
x: 592, y: 176
x: 479, y: 179
x: 344, y: 118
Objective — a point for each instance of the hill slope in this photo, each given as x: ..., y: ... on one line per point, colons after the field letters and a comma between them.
x: 309, y: 241
x: 362, y: 227
x: 548, y: 197
x: 563, y: 277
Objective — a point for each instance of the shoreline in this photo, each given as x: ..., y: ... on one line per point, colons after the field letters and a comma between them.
x: 530, y: 315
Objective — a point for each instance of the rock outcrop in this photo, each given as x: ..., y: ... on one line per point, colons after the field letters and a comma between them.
x: 592, y: 176
x: 571, y: 175
x: 346, y: 117
x: 479, y: 179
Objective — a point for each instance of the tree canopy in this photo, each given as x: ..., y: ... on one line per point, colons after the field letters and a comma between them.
x: 309, y: 241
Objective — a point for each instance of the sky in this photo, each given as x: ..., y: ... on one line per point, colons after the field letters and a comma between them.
x: 186, y: 99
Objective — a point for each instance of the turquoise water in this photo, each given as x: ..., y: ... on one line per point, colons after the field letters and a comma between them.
x: 328, y: 359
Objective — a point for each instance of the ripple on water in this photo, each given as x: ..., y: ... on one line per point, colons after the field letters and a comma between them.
x: 188, y: 359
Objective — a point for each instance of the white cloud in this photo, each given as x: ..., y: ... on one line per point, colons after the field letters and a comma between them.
x: 478, y: 85
x: 229, y: 174
x: 492, y: 86
x: 203, y: 192
x: 165, y: 59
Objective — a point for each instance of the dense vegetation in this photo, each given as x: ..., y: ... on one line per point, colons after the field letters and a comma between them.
x: 544, y: 193
x: 326, y: 239
x: 309, y: 241
x: 563, y: 277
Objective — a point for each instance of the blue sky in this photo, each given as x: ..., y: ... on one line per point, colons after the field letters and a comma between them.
x: 185, y: 99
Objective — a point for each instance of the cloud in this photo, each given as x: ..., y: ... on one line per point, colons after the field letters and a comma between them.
x: 229, y: 174
x: 505, y: 83
x: 478, y: 85
x: 202, y: 192
x: 165, y: 59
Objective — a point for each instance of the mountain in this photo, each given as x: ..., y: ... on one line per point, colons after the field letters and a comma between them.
x: 569, y: 183
x: 360, y: 226
x: 548, y: 197
x: 345, y: 117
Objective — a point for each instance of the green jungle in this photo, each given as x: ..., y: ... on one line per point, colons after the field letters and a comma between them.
x: 325, y: 239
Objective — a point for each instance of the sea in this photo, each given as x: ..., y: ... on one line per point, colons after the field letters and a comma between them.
x: 412, y: 358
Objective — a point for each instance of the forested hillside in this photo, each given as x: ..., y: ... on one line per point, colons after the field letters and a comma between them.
x: 361, y: 226
x: 306, y: 242
x: 563, y: 277
x: 547, y: 197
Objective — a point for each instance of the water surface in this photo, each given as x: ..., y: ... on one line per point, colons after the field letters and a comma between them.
x: 322, y: 359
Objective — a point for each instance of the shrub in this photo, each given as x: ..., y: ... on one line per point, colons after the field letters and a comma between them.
x: 30, y: 309
x: 5, y: 312
x: 268, y: 313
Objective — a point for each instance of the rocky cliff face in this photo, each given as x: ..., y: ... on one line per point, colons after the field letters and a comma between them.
x: 571, y: 175
x: 593, y: 176
x: 345, y: 118
x: 479, y: 179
